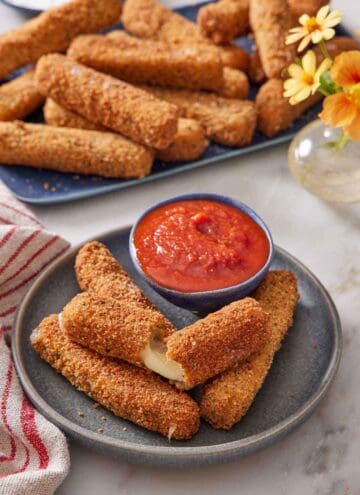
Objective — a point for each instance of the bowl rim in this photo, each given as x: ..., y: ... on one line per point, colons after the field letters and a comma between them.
x: 220, y: 198
x: 207, y: 452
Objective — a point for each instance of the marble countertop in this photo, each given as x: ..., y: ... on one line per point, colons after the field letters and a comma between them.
x: 320, y: 458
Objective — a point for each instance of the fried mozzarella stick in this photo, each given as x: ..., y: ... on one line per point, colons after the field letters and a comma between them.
x: 99, y: 272
x: 227, y: 398
x: 275, y: 114
x: 224, y: 20
x: 188, y: 357
x: 73, y: 151
x: 19, y: 97
x: 149, y: 19
x: 226, y: 121
x: 271, y: 21
x: 152, y: 62
x: 107, y: 101
x: 309, y: 7
x: 129, y: 392
x: 53, y: 31
x: 188, y: 145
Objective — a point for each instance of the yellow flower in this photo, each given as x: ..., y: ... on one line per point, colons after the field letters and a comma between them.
x: 305, y: 78
x: 314, y: 29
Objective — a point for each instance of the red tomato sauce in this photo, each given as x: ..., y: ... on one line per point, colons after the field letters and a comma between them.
x: 199, y: 245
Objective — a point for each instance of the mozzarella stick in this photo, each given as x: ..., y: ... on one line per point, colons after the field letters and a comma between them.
x: 73, y: 151
x: 19, y: 97
x: 256, y: 72
x: 226, y: 121
x: 112, y: 327
x: 53, y: 31
x: 107, y: 101
x: 275, y: 114
x: 271, y: 21
x: 188, y: 145
x: 309, y: 7
x: 99, y: 272
x: 224, y: 20
x: 129, y: 392
x: 227, y: 398
x: 217, y: 342
x: 152, y: 62
x: 151, y: 20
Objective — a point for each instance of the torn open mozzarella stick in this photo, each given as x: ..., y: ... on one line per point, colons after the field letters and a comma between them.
x: 151, y: 20
x: 227, y: 398
x: 19, y: 97
x: 129, y: 392
x: 309, y: 7
x: 234, y: 83
x: 105, y: 100
x: 152, y: 62
x: 224, y: 20
x: 99, y: 272
x: 226, y: 121
x: 271, y: 21
x: 73, y: 151
x: 53, y: 31
x: 189, y: 143
x: 112, y: 327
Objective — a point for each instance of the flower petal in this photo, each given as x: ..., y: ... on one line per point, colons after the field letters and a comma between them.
x: 324, y: 66
x: 322, y: 13
x: 338, y: 110
x: 334, y: 17
x: 316, y: 36
x: 293, y: 38
x: 309, y: 62
x: 328, y: 33
x: 353, y: 129
x: 304, y: 43
x: 304, y: 19
x: 295, y: 71
x: 346, y: 69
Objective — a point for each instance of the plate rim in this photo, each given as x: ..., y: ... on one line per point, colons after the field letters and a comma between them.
x: 251, y: 443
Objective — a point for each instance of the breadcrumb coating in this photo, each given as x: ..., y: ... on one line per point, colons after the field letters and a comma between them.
x: 227, y: 398
x: 149, y: 19
x: 309, y: 7
x: 111, y: 327
x: 226, y: 121
x: 53, y: 31
x: 224, y: 20
x: 235, y: 84
x: 105, y: 100
x: 98, y: 271
x: 73, y: 151
x: 256, y: 72
x: 271, y: 21
x: 19, y: 97
x: 128, y: 391
x: 150, y: 62
x: 217, y: 342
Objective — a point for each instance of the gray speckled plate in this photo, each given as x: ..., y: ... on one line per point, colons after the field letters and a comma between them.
x: 300, y: 376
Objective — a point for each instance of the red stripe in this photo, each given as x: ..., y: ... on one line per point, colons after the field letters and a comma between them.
x: 24, y: 282
x: 4, y: 220
x: 7, y: 237
x: 8, y: 312
x: 17, y: 251
x: 30, y: 429
x: 4, y: 420
x: 32, y: 257
x: 20, y: 212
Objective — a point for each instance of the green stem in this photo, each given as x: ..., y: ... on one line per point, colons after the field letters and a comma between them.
x: 324, y: 50
x: 342, y: 142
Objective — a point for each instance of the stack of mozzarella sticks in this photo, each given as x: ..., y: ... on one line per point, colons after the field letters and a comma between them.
x: 162, y: 89
x: 113, y: 344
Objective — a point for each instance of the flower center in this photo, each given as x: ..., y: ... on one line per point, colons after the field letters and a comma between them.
x: 312, y: 25
x: 308, y: 79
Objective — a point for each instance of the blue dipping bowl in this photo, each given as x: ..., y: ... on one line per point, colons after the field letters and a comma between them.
x: 211, y: 300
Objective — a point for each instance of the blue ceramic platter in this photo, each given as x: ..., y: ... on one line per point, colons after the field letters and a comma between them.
x: 300, y: 376
x: 46, y: 187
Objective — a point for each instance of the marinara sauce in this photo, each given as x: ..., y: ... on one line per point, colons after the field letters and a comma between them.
x: 199, y: 245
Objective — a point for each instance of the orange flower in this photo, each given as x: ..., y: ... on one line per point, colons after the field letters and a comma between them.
x: 343, y: 109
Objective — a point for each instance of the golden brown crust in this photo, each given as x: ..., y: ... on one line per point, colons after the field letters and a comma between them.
x: 215, y: 343
x: 53, y: 31
x: 150, y: 62
x: 19, y: 97
x: 256, y: 71
x: 111, y: 327
x: 227, y: 398
x: 309, y: 7
x: 129, y: 392
x: 151, y: 20
x: 73, y: 151
x: 235, y: 84
x: 107, y: 101
x: 224, y: 20
x: 98, y: 271
x: 226, y: 121
x: 271, y: 21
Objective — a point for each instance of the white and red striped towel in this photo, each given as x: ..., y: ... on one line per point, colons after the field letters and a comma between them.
x: 34, y: 457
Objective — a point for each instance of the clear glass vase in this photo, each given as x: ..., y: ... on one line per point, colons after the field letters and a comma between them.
x: 327, y: 170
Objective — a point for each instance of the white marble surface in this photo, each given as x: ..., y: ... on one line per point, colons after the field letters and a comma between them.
x: 322, y: 457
